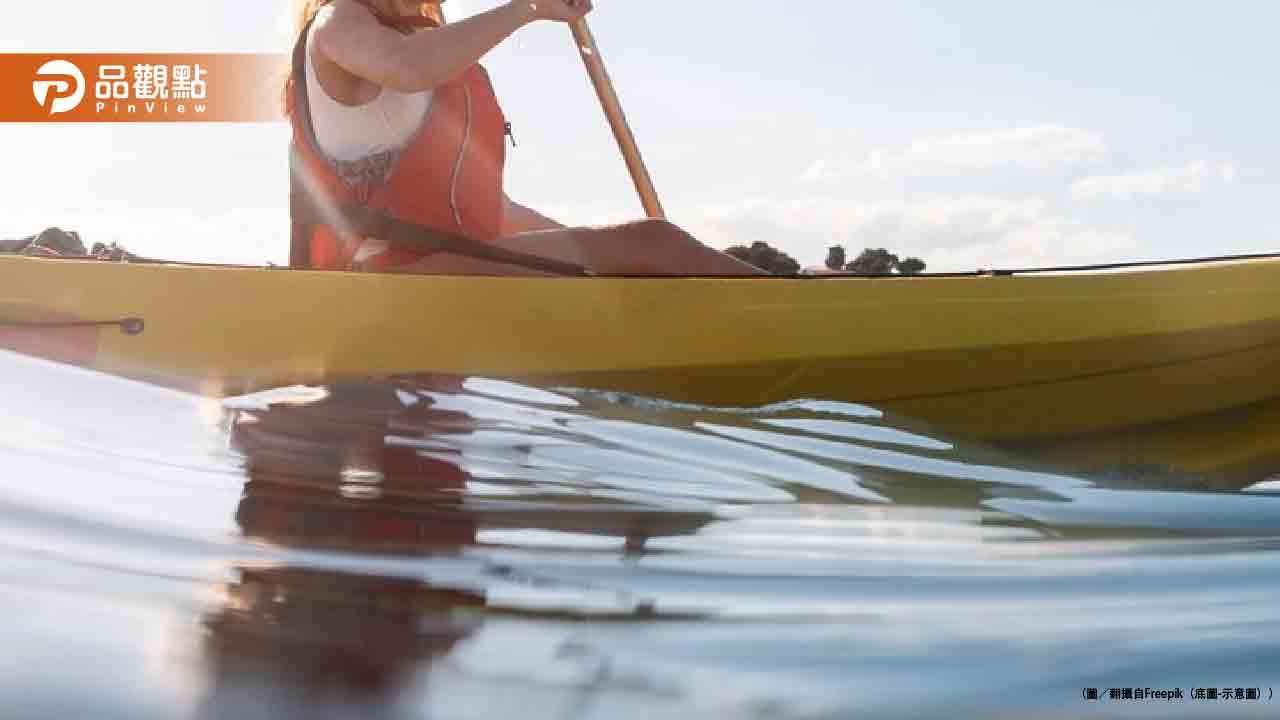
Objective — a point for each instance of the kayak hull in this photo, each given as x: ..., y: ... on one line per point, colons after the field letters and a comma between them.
x: 991, y: 357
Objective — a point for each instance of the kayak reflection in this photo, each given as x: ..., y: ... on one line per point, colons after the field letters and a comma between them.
x: 315, y: 475
x: 359, y: 468
x: 331, y: 475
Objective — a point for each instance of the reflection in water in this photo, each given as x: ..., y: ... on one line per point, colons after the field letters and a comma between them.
x: 327, y: 480
x: 324, y: 628
x: 334, y: 471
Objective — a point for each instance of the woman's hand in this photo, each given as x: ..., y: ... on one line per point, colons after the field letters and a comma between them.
x: 557, y: 10
x: 368, y: 55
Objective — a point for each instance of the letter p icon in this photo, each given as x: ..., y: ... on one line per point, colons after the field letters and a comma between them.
x: 59, y: 86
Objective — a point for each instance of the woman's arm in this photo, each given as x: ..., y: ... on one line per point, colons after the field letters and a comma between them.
x: 355, y: 41
x: 517, y: 218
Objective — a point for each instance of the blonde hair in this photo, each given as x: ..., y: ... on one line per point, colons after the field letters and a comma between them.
x: 308, y: 9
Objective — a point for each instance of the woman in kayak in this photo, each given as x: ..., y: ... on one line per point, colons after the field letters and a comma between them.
x: 392, y: 111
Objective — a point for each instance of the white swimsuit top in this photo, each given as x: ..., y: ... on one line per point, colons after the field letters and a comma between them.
x: 348, y: 133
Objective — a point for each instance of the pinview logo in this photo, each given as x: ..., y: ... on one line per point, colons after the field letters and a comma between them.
x: 70, y: 87
x: 59, y: 86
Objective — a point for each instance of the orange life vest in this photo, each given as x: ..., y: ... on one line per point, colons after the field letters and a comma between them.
x: 448, y: 177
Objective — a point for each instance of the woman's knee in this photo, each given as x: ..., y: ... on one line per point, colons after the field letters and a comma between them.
x: 652, y: 229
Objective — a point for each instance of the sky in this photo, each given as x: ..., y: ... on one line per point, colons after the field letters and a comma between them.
x: 988, y: 133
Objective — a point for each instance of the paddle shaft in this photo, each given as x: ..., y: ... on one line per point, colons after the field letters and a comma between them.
x: 586, y: 43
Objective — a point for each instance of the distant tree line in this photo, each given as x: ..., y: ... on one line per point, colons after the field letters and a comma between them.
x: 766, y: 258
x: 56, y: 242
x: 872, y: 261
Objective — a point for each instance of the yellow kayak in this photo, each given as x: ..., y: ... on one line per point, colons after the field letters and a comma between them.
x: 996, y: 357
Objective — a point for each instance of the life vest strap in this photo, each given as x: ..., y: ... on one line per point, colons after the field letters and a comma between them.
x: 368, y: 222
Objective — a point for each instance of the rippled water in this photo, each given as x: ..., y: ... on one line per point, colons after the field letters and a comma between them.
x: 476, y: 549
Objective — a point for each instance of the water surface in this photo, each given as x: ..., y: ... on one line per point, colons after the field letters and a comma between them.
x: 449, y: 548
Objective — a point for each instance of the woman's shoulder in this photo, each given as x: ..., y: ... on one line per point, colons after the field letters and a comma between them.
x: 337, y: 24
x: 346, y: 26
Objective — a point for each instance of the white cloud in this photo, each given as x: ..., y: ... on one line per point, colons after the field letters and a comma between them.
x: 1055, y: 241
x: 1040, y: 148
x: 1193, y: 177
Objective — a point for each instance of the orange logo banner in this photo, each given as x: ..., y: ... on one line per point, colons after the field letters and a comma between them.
x: 141, y: 87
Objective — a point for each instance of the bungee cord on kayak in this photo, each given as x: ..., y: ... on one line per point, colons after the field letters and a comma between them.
x: 128, y: 326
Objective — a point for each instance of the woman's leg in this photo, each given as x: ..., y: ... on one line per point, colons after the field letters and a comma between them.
x: 644, y: 247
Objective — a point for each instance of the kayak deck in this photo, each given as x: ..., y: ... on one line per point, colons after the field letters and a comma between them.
x: 991, y: 357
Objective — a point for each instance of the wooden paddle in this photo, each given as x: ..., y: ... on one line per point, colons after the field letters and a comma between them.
x: 617, y: 119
